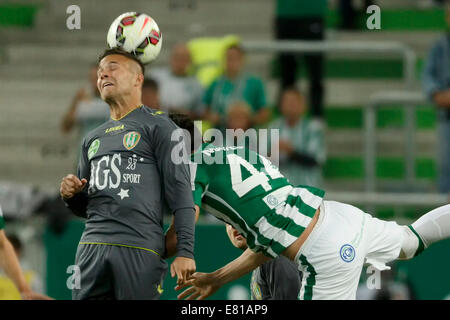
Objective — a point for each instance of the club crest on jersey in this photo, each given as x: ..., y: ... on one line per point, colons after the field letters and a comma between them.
x: 131, y: 139
x: 347, y: 253
x: 93, y: 148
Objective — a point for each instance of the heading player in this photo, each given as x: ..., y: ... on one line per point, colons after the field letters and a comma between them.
x: 124, y: 182
x: 328, y: 240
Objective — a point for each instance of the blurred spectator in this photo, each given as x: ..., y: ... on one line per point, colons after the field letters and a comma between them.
x: 235, y: 85
x: 239, y: 116
x: 436, y: 83
x: 301, y: 145
x: 302, y: 20
x: 239, y: 119
x: 87, y: 109
x: 178, y: 90
x: 207, y: 55
x: 8, y: 290
x: 150, y: 93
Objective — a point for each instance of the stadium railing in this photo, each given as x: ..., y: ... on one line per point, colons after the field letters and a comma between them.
x: 387, y: 48
x: 409, y: 100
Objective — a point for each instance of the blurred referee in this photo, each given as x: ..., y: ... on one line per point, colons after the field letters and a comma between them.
x: 125, y: 180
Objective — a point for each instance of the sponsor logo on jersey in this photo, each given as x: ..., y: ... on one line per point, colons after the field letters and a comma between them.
x: 273, y: 201
x: 116, y: 128
x: 93, y: 148
x: 106, y: 173
x: 347, y: 253
x: 131, y: 178
x: 131, y: 139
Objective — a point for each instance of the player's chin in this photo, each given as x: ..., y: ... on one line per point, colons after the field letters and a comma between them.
x: 108, y: 94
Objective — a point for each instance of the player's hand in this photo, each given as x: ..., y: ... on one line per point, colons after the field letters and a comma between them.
x: 202, y: 285
x: 71, y: 185
x: 183, y: 268
x: 31, y: 295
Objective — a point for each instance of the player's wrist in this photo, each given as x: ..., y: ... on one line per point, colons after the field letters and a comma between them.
x: 24, y: 289
x: 185, y: 254
x: 219, y: 277
x: 66, y: 197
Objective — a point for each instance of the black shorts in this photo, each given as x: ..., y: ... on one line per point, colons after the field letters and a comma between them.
x: 118, y: 273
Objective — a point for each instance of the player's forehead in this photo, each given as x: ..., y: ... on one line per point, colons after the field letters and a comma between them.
x: 111, y: 60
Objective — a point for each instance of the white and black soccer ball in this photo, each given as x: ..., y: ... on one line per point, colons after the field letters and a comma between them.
x: 136, y: 33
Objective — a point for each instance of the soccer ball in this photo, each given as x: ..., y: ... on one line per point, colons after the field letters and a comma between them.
x: 136, y: 33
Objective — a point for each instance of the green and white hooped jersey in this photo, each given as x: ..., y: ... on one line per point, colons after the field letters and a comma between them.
x: 244, y: 189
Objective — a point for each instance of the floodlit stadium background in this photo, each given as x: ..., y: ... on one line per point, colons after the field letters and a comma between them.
x: 42, y: 64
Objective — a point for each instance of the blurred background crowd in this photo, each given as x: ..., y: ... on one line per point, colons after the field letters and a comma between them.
x: 221, y: 63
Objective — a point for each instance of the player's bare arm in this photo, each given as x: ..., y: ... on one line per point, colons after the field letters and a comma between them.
x: 10, y: 264
x: 204, y: 285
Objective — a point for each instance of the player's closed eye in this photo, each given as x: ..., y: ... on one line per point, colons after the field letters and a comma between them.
x: 110, y: 67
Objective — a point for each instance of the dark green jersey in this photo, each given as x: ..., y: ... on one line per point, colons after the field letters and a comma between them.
x: 132, y: 179
x: 244, y: 189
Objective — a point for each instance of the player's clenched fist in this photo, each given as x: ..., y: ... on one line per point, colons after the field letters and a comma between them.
x: 71, y: 185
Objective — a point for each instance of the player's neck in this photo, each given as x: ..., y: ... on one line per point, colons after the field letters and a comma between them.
x: 121, y: 107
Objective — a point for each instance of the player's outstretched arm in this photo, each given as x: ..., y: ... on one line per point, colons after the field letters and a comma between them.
x: 204, y: 285
x: 12, y: 268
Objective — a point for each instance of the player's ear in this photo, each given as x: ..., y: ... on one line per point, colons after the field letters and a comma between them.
x: 139, y: 80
